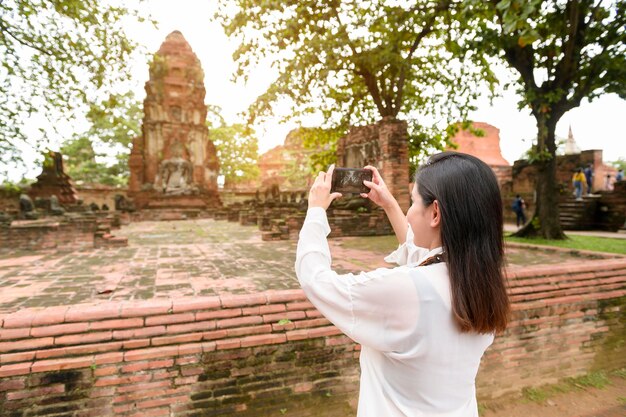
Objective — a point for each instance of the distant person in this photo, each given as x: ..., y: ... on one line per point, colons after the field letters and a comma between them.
x: 620, y: 175
x: 589, y: 177
x: 424, y: 325
x: 580, y: 182
x: 607, y: 183
x: 518, y: 207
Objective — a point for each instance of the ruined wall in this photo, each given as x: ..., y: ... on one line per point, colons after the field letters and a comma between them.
x: 100, y: 194
x: 383, y: 145
x: 72, y: 234
x: 272, y: 354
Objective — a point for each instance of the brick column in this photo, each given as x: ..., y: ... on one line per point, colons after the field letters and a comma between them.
x: 394, y: 159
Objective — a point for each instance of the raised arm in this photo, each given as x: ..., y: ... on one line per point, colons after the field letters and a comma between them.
x: 381, y: 196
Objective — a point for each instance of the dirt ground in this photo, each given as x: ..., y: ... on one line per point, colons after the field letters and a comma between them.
x: 609, y: 401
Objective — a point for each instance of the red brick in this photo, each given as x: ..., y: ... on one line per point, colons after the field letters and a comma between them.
x: 19, y: 319
x: 263, y: 339
x: 161, y: 402
x: 218, y: 314
x: 15, y: 369
x: 338, y: 341
x: 227, y: 344
x: 142, y: 366
x: 195, y: 303
x: 242, y: 331
x: 109, y: 357
x: 290, y: 315
x: 27, y: 344
x: 303, y: 324
x: 300, y: 305
x: 275, y: 297
x: 137, y: 333
x: 313, y: 314
x: 84, y: 338
x: 16, y: 357
x: 157, y: 412
x: 186, y: 360
x: 142, y: 387
x: 12, y: 385
x: 12, y: 334
x: 60, y: 364
x: 190, y: 349
x: 272, y: 308
x: 242, y: 300
x: 87, y: 312
x: 251, y: 311
x: 50, y: 315
x: 191, y: 370
x: 146, y: 308
x: 116, y: 324
x: 239, y: 321
x: 59, y: 329
x: 297, y: 334
x: 106, y: 370
x: 135, y: 344
x: 37, y: 392
x: 116, y: 380
x: 170, y: 318
x: 191, y: 327
x: 208, y: 346
x: 151, y: 353
x: 170, y: 340
x: 187, y: 380
x: 160, y: 374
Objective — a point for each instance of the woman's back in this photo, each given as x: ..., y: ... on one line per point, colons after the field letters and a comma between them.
x: 434, y: 375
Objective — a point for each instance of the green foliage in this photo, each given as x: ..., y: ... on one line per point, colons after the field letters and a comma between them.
x: 355, y: 62
x: 237, y: 149
x: 561, y: 52
x: 114, y: 122
x: 324, y: 144
x: 58, y: 56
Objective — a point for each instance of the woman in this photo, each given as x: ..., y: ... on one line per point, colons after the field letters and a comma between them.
x: 425, y: 324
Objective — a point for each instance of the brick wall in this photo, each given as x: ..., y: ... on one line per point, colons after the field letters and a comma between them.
x: 272, y: 354
x: 73, y: 234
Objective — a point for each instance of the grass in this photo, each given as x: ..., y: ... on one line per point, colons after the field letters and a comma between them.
x: 591, y: 243
x: 541, y: 394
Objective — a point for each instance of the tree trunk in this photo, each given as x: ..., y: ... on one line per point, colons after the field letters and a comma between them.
x: 545, y: 220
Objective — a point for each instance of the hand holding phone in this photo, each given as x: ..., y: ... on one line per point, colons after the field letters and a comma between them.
x: 350, y: 180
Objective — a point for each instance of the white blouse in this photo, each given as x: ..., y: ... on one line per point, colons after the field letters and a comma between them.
x: 414, y: 360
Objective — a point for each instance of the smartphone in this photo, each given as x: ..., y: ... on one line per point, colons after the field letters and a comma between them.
x: 350, y: 180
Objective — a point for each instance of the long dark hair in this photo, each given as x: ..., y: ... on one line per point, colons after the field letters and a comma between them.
x: 471, y: 234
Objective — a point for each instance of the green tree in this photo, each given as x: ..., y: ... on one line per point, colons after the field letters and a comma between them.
x: 355, y: 62
x: 237, y: 150
x: 562, y: 52
x: 114, y: 122
x: 56, y: 56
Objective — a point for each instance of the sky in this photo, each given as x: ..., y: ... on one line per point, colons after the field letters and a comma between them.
x: 596, y: 125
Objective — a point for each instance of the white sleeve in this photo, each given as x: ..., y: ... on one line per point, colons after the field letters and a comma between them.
x: 407, y: 252
x: 378, y: 309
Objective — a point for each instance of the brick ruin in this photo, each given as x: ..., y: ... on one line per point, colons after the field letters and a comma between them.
x: 55, y: 217
x: 280, y: 214
x: 173, y: 164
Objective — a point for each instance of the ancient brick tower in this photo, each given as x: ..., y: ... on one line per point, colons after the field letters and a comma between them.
x: 174, y: 163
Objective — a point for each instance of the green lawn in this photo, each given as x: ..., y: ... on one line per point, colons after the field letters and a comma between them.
x: 592, y: 243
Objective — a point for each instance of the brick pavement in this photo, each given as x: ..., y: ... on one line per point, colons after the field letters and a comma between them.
x: 176, y: 259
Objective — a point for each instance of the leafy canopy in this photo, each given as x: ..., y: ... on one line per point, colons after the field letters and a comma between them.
x: 114, y: 122
x: 56, y: 56
x: 353, y: 62
x: 562, y: 52
x: 237, y: 148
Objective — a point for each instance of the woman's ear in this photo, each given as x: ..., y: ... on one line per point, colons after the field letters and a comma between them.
x: 435, y: 219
